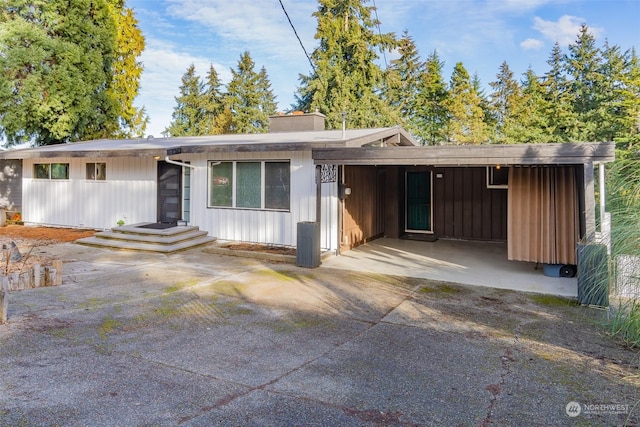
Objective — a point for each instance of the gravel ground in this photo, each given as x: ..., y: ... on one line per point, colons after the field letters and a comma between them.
x: 197, y: 339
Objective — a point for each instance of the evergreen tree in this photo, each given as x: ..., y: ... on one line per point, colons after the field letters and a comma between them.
x: 127, y: 70
x: 345, y: 75
x: 507, y: 106
x: 558, y: 98
x: 212, y: 105
x: 630, y: 105
x: 489, y: 119
x: 432, y: 116
x: 188, y: 114
x: 583, y: 64
x: 249, y: 98
x: 466, y: 117
x: 619, y: 97
x: 535, y: 124
x: 57, y: 58
x: 404, y: 82
x: 268, y: 104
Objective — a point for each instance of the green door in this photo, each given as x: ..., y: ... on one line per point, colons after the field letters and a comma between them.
x: 418, y: 202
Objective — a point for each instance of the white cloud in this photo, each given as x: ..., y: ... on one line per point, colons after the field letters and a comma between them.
x: 531, y: 44
x: 564, y: 30
x: 254, y: 25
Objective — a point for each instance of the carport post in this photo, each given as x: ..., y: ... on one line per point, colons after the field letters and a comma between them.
x: 318, y: 193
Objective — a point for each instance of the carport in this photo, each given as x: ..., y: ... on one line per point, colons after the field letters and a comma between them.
x: 532, y: 202
x: 456, y: 261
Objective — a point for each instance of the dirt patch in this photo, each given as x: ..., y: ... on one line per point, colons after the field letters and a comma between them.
x: 28, y: 239
x: 43, y: 234
x: 255, y: 247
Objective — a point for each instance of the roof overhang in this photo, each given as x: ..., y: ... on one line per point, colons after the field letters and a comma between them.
x: 264, y: 142
x: 470, y: 155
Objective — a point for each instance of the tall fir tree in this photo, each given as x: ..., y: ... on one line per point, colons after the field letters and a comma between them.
x: 583, y: 65
x: 404, y: 80
x: 249, y: 98
x: 212, y: 105
x: 558, y: 98
x: 466, y: 117
x: 345, y: 74
x: 57, y: 58
x: 619, y: 98
x: 535, y: 122
x: 630, y: 105
x: 432, y: 116
x: 507, y: 107
x: 188, y: 113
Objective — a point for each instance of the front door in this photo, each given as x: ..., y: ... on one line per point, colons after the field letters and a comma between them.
x: 418, y: 203
x: 169, y: 192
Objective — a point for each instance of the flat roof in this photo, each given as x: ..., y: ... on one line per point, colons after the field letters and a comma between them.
x: 470, y: 155
x: 281, y: 141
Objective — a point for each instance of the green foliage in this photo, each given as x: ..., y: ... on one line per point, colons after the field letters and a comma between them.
x: 346, y: 76
x: 623, y: 202
x: 466, y: 116
x: 127, y: 70
x: 508, y: 107
x: 249, y: 98
x: 204, y: 109
x: 404, y: 80
x: 67, y: 71
x: 432, y: 117
x: 188, y: 114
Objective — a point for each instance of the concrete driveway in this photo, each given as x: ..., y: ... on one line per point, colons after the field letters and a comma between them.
x: 197, y: 339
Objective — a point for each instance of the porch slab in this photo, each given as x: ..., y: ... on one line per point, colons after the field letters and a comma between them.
x: 465, y: 262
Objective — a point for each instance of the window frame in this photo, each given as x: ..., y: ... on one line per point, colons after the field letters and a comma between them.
x: 50, y: 171
x: 95, y: 171
x: 211, y: 164
x: 490, y: 177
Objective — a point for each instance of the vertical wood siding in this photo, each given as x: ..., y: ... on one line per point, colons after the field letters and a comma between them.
x: 128, y: 193
x: 263, y: 226
x: 364, y: 209
x: 464, y: 208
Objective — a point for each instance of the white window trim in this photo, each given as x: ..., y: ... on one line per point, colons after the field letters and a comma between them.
x: 263, y: 187
x: 51, y: 179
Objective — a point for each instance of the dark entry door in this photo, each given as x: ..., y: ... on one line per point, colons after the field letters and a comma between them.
x: 418, y: 202
x: 169, y: 192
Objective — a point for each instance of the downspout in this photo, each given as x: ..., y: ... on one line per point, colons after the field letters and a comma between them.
x: 173, y: 162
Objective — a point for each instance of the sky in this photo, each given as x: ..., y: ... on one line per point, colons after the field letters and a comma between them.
x: 481, y: 34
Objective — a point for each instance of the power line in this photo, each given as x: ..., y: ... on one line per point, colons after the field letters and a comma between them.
x: 384, y: 55
x: 298, y: 37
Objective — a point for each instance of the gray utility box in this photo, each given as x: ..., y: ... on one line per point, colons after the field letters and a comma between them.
x: 308, y: 245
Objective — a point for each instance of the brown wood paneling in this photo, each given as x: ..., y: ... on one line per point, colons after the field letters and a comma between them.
x: 393, y: 207
x: 464, y: 208
x: 364, y: 208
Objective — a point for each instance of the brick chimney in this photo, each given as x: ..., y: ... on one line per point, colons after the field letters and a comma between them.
x: 296, y: 122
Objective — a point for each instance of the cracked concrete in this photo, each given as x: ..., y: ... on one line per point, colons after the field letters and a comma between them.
x: 197, y: 339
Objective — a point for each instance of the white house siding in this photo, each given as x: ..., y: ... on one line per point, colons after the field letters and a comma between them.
x: 264, y: 226
x: 128, y: 194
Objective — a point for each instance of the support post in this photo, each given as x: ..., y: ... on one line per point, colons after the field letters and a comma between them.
x: 57, y: 265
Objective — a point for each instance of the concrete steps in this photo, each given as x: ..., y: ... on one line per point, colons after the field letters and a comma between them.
x: 135, y: 237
